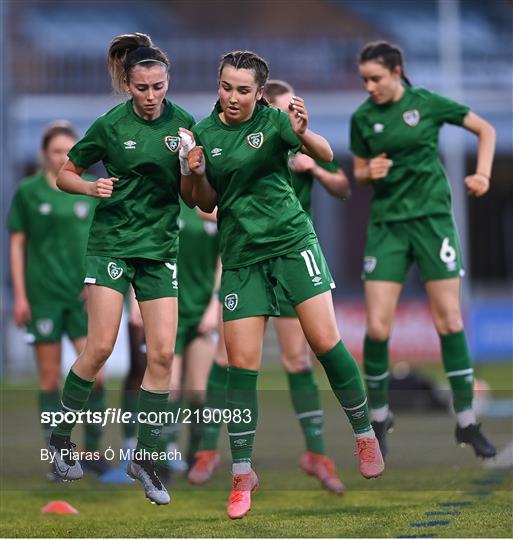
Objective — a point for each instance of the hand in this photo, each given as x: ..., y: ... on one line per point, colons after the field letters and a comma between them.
x: 102, y: 188
x: 21, y: 311
x: 187, y: 143
x: 379, y: 167
x: 210, y: 320
x: 298, y: 115
x: 196, y: 160
x: 301, y: 163
x: 477, y: 184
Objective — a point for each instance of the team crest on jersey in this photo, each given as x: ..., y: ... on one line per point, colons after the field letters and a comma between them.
x: 231, y: 301
x: 255, y: 139
x: 81, y: 209
x: 114, y: 271
x: 411, y: 117
x: 172, y: 143
x: 44, y: 326
x: 369, y: 263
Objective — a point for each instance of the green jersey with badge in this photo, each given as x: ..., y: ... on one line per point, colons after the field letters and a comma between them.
x: 197, y: 262
x: 259, y: 215
x: 407, y: 131
x: 140, y: 219
x: 56, y: 225
x: 303, y: 183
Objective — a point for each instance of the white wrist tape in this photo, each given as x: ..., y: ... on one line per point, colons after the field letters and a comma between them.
x: 188, y: 143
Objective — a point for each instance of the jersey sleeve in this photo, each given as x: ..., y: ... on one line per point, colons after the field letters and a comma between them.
x: 289, y: 138
x: 358, y: 145
x: 330, y: 166
x: 17, y: 218
x: 447, y: 111
x: 91, y: 148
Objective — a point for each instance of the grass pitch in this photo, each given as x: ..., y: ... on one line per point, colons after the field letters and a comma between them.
x: 430, y: 487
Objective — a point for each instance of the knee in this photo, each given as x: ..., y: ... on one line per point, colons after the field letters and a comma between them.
x: 448, y: 323
x: 160, y: 358
x: 378, y: 328
x: 98, y: 353
x: 296, y: 361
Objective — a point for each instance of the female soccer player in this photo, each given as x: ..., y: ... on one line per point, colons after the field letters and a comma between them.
x: 198, y: 316
x: 295, y: 354
x: 394, y: 139
x: 133, y: 240
x: 266, y: 239
x: 48, y: 240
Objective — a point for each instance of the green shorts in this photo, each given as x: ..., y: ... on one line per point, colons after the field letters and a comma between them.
x: 150, y: 279
x: 431, y: 241
x: 186, y: 333
x: 51, y: 321
x: 285, y: 307
x: 250, y: 291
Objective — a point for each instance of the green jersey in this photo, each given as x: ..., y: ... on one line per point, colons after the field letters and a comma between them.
x: 197, y: 262
x: 407, y: 131
x: 259, y: 215
x: 303, y: 183
x: 56, y: 225
x: 139, y: 220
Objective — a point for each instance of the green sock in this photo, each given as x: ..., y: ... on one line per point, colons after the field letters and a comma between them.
x: 49, y: 401
x: 195, y: 428
x: 75, y: 394
x: 375, y: 367
x: 171, y: 429
x: 241, y: 395
x: 93, y: 431
x: 130, y: 402
x: 151, y: 404
x: 458, y: 367
x: 346, y: 381
x: 305, y: 399
x: 216, y: 400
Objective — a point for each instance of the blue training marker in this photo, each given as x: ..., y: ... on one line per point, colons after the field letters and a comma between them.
x: 436, y: 523
x: 443, y: 513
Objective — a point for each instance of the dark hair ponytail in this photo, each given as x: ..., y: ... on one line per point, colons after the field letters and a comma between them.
x: 382, y: 52
x: 126, y: 51
x: 247, y: 60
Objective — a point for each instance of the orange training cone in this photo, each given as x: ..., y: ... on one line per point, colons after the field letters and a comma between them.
x: 59, y: 507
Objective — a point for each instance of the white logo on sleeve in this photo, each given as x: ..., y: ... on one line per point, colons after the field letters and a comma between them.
x: 231, y: 301
x: 378, y: 128
x: 216, y: 152
x: 129, y: 145
x: 114, y: 271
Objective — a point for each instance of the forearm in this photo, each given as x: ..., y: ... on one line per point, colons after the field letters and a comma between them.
x: 72, y: 183
x: 316, y: 146
x: 335, y: 183
x: 17, y: 249
x: 486, y: 151
x: 203, y: 194
x: 362, y: 175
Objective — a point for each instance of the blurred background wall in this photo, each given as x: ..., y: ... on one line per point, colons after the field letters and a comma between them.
x: 53, y: 65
